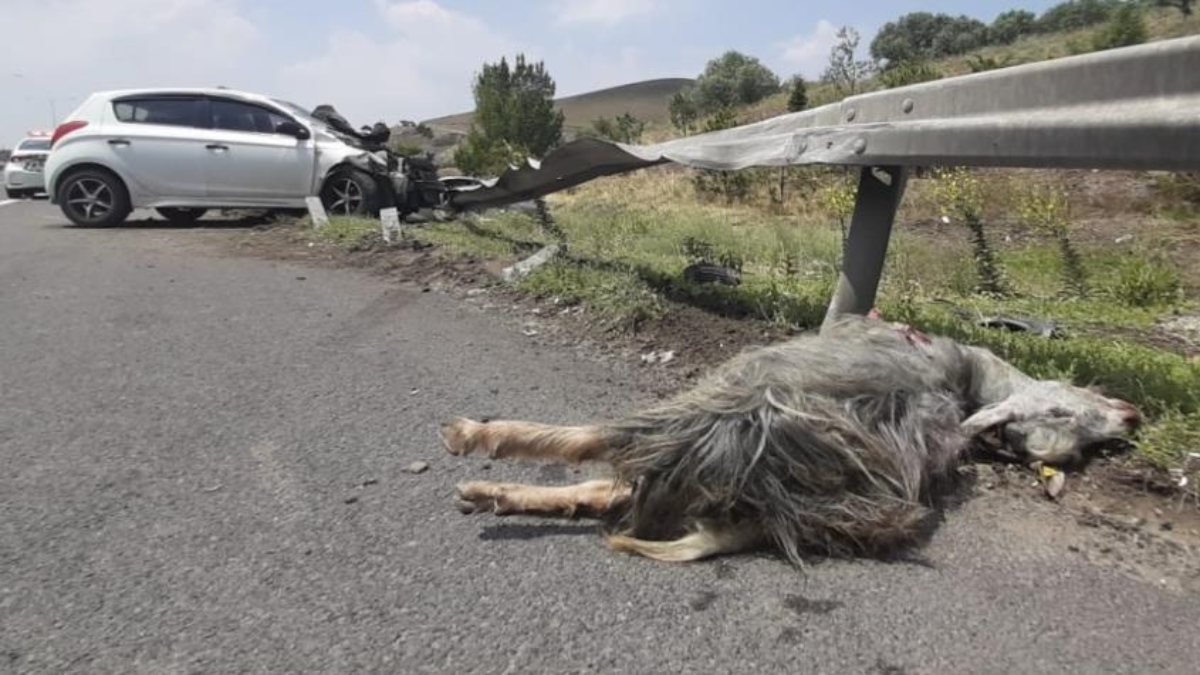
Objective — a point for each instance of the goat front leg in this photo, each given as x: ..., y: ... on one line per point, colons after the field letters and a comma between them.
x: 592, y: 499
x: 509, y: 439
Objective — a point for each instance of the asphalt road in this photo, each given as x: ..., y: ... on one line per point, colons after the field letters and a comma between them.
x: 203, y: 471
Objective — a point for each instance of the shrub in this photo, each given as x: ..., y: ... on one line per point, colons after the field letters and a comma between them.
x: 515, y: 115
x: 624, y: 129
x: 1011, y: 25
x: 908, y: 72
x: 798, y: 98
x: 1046, y: 211
x: 1076, y: 14
x: 979, y: 63
x: 961, y: 197
x: 733, y: 79
x: 1125, y: 28
x: 1146, y: 282
x: 845, y: 70
x: 683, y: 112
x: 922, y: 35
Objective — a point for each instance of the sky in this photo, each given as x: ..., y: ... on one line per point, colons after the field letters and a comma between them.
x: 404, y: 59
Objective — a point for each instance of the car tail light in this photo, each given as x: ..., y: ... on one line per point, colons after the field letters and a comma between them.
x: 64, y: 129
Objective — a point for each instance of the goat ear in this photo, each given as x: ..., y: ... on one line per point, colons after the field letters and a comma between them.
x: 987, y: 417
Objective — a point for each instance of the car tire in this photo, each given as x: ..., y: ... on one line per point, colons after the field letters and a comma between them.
x: 350, y: 192
x: 181, y: 216
x: 93, y: 198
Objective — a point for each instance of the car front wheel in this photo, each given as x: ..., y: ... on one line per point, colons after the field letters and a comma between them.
x: 93, y: 198
x: 181, y: 216
x: 350, y: 193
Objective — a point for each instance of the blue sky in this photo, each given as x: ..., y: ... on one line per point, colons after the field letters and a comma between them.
x: 404, y: 59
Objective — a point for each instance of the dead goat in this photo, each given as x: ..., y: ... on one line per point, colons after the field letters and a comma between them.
x: 839, y: 444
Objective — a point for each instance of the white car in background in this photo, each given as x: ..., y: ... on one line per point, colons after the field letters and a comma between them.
x: 23, y: 170
x: 184, y: 151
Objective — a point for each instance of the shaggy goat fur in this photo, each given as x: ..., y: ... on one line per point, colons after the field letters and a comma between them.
x: 838, y: 443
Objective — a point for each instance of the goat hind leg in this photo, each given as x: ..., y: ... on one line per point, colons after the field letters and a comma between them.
x: 511, y: 439
x: 707, y: 540
x: 592, y: 498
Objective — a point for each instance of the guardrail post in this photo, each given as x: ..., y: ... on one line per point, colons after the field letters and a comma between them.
x: 879, y: 193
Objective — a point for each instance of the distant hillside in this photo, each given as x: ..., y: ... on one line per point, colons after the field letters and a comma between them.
x: 645, y: 100
x: 1161, y: 24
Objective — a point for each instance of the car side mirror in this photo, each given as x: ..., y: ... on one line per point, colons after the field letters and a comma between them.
x: 293, y: 129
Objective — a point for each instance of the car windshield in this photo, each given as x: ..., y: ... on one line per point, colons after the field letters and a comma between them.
x: 301, y: 113
x: 34, y: 144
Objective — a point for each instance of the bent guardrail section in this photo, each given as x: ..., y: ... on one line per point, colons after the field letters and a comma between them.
x: 1131, y: 108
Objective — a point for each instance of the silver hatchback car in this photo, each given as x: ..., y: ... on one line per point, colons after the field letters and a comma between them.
x: 184, y: 151
x: 23, y: 170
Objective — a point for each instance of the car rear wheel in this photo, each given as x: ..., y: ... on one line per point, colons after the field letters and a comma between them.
x: 350, y: 193
x: 93, y: 198
x: 181, y: 216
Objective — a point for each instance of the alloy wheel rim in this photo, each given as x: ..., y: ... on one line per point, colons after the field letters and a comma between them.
x: 90, y: 198
x: 347, y: 197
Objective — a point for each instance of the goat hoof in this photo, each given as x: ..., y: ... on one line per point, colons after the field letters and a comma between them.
x: 482, y: 497
x: 456, y: 436
x: 468, y: 508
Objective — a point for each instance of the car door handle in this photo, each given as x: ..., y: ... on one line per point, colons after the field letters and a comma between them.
x: 216, y: 146
x: 118, y: 141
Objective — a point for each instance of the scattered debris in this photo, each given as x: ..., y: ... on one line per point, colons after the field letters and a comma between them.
x: 529, y: 331
x: 665, y: 356
x: 1055, y: 484
x: 1020, y: 324
x: 417, y: 467
x: 531, y: 263
x: 214, y: 488
x: 707, y: 273
x: 350, y: 500
x: 1046, y: 329
x: 1123, y: 239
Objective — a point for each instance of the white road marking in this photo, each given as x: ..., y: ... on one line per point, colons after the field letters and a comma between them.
x: 6, y: 202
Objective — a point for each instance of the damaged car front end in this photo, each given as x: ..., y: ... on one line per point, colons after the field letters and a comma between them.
x: 360, y: 174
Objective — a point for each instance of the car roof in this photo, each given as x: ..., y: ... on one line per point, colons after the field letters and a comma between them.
x: 186, y: 91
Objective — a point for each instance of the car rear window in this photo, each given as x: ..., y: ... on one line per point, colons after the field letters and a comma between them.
x: 179, y: 112
x: 34, y: 144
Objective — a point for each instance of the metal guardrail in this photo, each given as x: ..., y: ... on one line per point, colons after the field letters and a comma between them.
x: 1130, y: 108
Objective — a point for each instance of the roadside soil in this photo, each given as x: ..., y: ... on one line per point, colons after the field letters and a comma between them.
x: 1129, y: 517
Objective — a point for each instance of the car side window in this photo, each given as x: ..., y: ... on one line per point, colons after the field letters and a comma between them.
x: 176, y: 112
x: 236, y: 116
